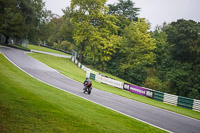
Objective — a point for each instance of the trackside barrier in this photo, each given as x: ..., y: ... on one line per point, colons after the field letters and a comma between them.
x: 170, y: 99
x: 185, y: 102
x: 91, y: 71
x: 117, y: 84
x: 149, y: 93
x: 79, y: 64
x: 156, y: 95
x: 73, y: 59
x: 196, y: 105
x: 126, y: 87
x: 76, y: 61
x: 112, y: 82
x: 98, y: 78
x: 87, y: 74
x: 137, y: 90
x: 85, y: 68
x: 92, y: 76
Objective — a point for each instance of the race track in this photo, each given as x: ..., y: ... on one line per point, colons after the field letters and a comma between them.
x: 158, y: 117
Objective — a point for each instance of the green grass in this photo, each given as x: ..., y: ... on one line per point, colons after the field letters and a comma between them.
x: 40, y: 48
x: 28, y: 105
x: 68, y: 68
x: 17, y: 47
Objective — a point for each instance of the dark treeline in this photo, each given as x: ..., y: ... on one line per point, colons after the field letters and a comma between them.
x: 113, y: 39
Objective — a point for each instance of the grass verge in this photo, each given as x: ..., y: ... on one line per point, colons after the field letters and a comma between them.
x: 17, y: 47
x: 28, y: 105
x: 40, y: 48
x: 68, y: 68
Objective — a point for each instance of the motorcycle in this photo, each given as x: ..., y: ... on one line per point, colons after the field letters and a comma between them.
x: 87, y: 89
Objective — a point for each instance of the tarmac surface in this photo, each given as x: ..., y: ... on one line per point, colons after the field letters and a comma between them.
x: 157, y: 117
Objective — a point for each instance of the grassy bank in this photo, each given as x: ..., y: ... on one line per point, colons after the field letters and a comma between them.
x: 68, y: 68
x: 17, y: 47
x: 40, y: 48
x: 28, y: 105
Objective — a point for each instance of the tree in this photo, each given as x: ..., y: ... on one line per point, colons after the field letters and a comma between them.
x: 137, y: 52
x: 12, y: 21
x: 124, y: 8
x: 137, y: 45
x: 185, y: 55
x: 94, y: 30
x: 125, y: 11
x: 162, y: 46
x: 183, y: 35
x: 21, y: 18
x: 54, y: 28
x: 66, y: 29
x: 177, y: 55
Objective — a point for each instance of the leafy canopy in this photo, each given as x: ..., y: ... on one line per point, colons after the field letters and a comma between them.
x: 137, y: 45
x: 94, y: 30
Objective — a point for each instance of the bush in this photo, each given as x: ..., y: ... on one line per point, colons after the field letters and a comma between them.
x: 153, y: 83
x: 64, y: 45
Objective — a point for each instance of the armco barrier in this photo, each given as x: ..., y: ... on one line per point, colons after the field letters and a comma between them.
x: 112, y: 82
x: 92, y: 76
x: 126, y: 86
x: 196, y: 105
x: 140, y: 90
x: 185, y: 102
x: 73, y: 59
x: 158, y: 96
x: 94, y: 72
x: 76, y: 61
x: 85, y: 68
x: 87, y: 74
x: 79, y: 64
x: 137, y: 90
x: 150, y: 93
x: 98, y: 78
x: 118, y: 84
x: 170, y: 99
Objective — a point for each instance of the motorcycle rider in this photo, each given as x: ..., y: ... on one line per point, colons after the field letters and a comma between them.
x: 87, y: 83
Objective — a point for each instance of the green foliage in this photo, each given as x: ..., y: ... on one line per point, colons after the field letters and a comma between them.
x: 94, y: 30
x: 12, y: 21
x: 124, y: 8
x: 136, y: 75
x: 152, y: 81
x: 64, y: 45
x: 184, y: 36
x: 162, y: 46
x: 137, y: 45
x: 177, y: 56
x: 21, y: 19
x: 125, y: 12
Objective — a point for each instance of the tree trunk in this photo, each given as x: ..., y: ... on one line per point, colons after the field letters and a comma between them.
x: 81, y: 57
x: 7, y: 38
